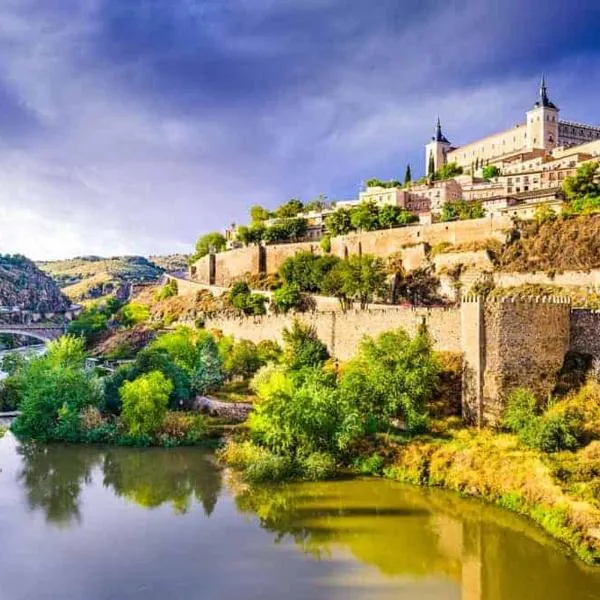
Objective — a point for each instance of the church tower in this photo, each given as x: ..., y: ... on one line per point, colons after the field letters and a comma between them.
x: 542, y: 122
x: 436, y: 151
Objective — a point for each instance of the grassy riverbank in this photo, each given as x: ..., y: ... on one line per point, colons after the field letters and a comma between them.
x: 557, y: 491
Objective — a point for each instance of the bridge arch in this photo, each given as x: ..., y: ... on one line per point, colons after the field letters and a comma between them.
x: 43, y: 335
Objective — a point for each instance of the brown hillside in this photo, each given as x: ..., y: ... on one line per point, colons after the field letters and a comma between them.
x: 559, y: 245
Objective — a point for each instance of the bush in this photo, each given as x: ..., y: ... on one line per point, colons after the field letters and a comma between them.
x: 134, y: 314
x: 392, y: 376
x: 369, y: 465
x: 555, y: 429
x: 168, y: 290
x: 240, y: 359
x: 182, y: 428
x: 302, y: 347
x: 287, y: 297
x: 145, y: 402
x: 241, y: 298
x: 258, y: 464
x: 90, y: 325
x: 317, y: 466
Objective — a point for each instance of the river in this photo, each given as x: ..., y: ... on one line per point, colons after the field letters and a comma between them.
x: 90, y: 523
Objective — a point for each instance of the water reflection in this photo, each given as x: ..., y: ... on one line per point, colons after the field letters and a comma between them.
x: 54, y: 477
x: 406, y: 531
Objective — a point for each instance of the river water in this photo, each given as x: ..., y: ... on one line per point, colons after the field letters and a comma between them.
x: 87, y: 523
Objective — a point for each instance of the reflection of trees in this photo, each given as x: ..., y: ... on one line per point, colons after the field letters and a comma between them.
x: 152, y: 477
x: 53, y: 477
x: 383, y: 525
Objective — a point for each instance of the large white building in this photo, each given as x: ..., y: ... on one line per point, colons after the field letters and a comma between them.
x: 543, y: 130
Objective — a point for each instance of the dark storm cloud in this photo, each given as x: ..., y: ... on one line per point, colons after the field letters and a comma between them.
x: 134, y: 125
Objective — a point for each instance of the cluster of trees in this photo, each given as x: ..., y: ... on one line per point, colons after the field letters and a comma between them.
x: 368, y: 216
x: 461, y: 210
x: 288, y: 229
x: 210, y: 242
x: 242, y: 298
x: 60, y: 400
x: 356, y: 279
x: 309, y: 415
x: 94, y: 321
x: 583, y: 189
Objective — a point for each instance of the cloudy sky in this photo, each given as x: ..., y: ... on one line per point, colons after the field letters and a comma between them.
x: 132, y: 126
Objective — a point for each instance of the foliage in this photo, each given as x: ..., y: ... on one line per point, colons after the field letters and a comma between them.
x: 302, y: 347
x: 258, y: 214
x: 182, y: 428
x: 12, y: 363
x: 145, y: 401
x: 168, y: 290
x: 251, y: 235
x: 585, y: 184
x: 325, y: 244
x: 462, y: 210
x: 259, y: 464
x: 289, y: 209
x: 54, y: 388
x: 245, y: 301
x: 90, y: 325
x: 392, y: 183
x: 317, y: 466
x: 491, y: 172
x: 448, y: 171
x: 196, y: 352
x: 318, y: 204
x: 287, y: 297
x: 268, y: 351
x: 307, y: 270
x: 214, y: 241
x: 240, y: 359
x: 549, y: 431
x: 419, y: 287
x: 339, y: 223
x: 392, y: 376
x: 371, y: 464
x: 357, y: 279
x: 407, y: 175
x: 133, y: 314
x: 364, y: 217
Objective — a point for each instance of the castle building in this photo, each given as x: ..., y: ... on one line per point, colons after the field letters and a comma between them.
x: 542, y: 132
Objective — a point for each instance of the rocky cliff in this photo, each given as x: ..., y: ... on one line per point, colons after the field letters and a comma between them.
x: 25, y: 286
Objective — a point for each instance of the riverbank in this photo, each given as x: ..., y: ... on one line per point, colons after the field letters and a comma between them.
x: 559, y: 491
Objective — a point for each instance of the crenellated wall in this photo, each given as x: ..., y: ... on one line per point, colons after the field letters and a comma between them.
x: 223, y: 268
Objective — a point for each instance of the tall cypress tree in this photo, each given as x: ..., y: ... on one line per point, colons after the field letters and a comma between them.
x: 407, y: 175
x: 431, y: 167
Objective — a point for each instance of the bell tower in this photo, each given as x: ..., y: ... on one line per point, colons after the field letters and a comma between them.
x: 436, y: 151
x: 542, y: 122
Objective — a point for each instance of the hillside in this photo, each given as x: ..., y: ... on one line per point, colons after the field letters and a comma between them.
x: 24, y: 285
x: 172, y: 262
x: 89, y: 277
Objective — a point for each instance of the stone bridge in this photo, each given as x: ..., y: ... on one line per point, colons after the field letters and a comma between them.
x: 44, y: 333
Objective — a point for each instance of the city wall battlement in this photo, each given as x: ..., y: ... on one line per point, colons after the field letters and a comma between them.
x: 506, y: 342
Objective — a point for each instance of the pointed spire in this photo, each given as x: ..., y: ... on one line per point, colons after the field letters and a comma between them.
x: 543, y: 99
x: 438, y: 130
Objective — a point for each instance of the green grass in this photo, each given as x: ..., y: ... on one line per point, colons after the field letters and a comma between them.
x: 235, y: 391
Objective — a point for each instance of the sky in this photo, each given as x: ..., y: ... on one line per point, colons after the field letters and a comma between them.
x: 134, y: 126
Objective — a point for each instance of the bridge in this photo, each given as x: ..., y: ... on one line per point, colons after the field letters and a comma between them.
x: 44, y: 333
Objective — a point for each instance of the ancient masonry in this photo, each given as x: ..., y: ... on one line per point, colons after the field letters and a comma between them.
x: 506, y: 342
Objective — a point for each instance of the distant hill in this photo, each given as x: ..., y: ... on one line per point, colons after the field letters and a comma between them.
x: 24, y: 285
x: 89, y: 277
x: 172, y: 262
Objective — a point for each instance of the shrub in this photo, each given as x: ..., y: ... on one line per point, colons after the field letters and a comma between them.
x: 258, y: 464
x: 287, y: 297
x: 317, y: 466
x: 302, y: 347
x: 241, y: 298
x: 369, y: 465
x: 392, y: 376
x: 325, y: 244
x: 240, y: 359
x: 145, y: 402
x: 168, y: 290
x: 90, y: 325
x: 133, y: 314
x: 182, y: 428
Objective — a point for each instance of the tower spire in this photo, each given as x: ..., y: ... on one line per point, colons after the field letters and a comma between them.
x: 543, y: 91
x: 438, y: 130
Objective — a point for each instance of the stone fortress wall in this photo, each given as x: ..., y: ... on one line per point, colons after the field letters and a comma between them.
x: 223, y: 268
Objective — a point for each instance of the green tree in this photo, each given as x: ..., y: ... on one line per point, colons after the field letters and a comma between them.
x: 90, y: 325
x: 585, y: 183
x: 491, y: 172
x: 448, y: 171
x: 318, y: 204
x: 287, y: 297
x: 357, y: 279
x: 302, y: 347
x: 289, y: 209
x: 145, y: 402
x: 245, y: 301
x: 240, y: 359
x: 258, y: 214
x: 388, y: 216
x: 431, y: 166
x: 407, y: 175
x: 211, y: 241
x: 134, y: 313
x: 339, y: 223
x: 391, y: 376
x: 365, y: 217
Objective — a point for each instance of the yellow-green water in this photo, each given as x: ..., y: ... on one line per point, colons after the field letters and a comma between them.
x: 81, y: 523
